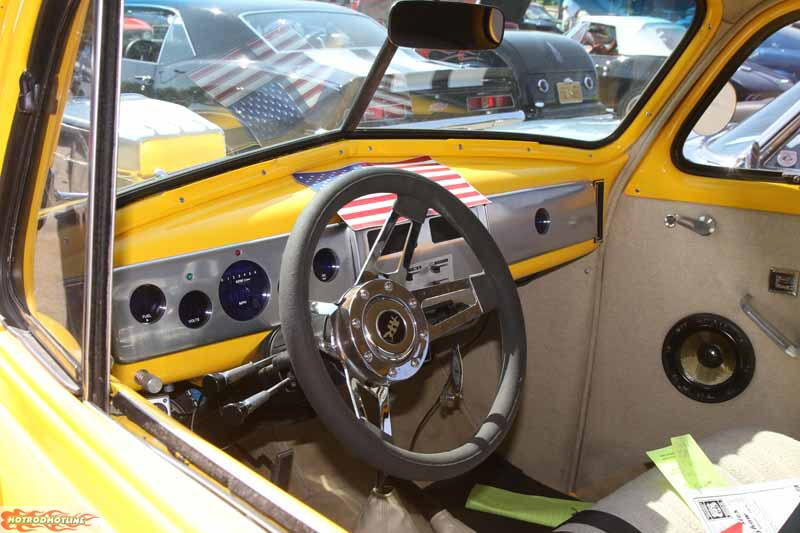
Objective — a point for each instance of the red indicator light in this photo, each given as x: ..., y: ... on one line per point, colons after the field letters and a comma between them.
x: 237, y: 252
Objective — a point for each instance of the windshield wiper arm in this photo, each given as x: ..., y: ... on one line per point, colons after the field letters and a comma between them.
x: 371, y: 83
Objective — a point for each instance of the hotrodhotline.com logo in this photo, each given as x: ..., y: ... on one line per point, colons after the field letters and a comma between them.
x: 52, y: 520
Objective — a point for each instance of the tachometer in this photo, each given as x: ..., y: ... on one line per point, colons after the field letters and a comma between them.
x: 244, y: 290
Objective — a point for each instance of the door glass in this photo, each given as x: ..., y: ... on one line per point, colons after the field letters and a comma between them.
x: 756, y: 115
x: 58, y: 262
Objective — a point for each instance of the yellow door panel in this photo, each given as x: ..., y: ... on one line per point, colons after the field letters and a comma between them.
x: 658, y: 177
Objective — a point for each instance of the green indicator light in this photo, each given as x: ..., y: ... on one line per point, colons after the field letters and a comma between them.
x: 189, y: 276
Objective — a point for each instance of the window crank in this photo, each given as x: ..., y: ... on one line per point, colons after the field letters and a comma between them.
x: 704, y: 225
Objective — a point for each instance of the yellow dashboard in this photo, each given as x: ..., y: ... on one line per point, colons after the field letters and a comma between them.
x: 186, y: 240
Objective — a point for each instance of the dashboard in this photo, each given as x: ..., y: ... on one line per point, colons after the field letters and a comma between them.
x: 182, y: 302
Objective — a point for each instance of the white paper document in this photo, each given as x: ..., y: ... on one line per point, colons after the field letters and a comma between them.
x: 751, y: 508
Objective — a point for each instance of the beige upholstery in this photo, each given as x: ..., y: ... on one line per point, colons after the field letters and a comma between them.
x: 748, y: 456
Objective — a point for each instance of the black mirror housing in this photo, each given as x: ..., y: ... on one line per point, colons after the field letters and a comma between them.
x: 445, y: 25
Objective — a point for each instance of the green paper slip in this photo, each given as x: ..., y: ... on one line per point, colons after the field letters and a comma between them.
x: 698, y: 471
x: 686, y: 467
x: 549, y: 512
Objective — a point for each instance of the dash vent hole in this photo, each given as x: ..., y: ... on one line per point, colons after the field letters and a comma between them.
x: 541, y: 221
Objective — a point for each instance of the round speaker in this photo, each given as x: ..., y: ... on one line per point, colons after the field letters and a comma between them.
x: 708, y: 358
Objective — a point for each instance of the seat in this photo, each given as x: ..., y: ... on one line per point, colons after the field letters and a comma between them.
x: 748, y: 456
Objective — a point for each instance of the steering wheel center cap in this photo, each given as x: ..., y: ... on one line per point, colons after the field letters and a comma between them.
x: 391, y: 327
x: 381, y: 331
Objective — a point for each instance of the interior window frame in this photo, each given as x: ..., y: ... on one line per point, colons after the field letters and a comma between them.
x: 677, y: 156
x: 88, y: 378
x: 26, y: 143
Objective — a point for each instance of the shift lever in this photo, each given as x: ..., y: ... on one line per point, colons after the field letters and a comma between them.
x: 217, y: 382
x: 236, y: 412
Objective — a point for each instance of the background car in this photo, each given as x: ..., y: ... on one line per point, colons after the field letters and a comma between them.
x: 266, y: 72
x: 538, y: 18
x: 556, y: 77
x: 148, y: 128
x: 780, y: 52
x: 627, y: 51
x: 768, y: 139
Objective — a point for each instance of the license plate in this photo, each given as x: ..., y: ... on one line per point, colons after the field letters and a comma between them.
x: 569, y: 92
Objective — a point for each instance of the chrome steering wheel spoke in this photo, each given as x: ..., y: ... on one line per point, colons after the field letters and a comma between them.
x: 404, y: 207
x: 476, y: 286
x: 384, y: 411
x: 381, y: 394
x: 322, y: 314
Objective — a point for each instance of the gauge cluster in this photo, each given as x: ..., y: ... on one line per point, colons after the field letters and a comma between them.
x: 187, y: 301
x: 183, y: 302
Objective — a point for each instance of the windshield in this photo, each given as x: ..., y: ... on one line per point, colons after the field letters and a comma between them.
x: 203, y: 82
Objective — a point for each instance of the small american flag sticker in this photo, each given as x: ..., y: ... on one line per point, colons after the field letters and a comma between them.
x: 372, y: 210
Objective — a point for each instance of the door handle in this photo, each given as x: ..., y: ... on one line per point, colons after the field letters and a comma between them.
x: 704, y: 225
x: 769, y: 329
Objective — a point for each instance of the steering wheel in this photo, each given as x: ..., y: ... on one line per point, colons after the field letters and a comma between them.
x: 378, y: 331
x: 142, y: 50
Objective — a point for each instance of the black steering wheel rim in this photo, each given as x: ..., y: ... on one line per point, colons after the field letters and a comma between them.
x: 364, y: 440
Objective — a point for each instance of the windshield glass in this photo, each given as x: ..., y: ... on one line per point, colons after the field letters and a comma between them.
x: 203, y: 82
x: 578, y: 86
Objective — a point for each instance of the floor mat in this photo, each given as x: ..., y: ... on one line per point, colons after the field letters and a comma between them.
x: 496, y: 472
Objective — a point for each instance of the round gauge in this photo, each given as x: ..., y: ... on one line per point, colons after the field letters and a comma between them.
x: 148, y: 304
x: 194, y: 309
x: 244, y: 290
x: 326, y: 264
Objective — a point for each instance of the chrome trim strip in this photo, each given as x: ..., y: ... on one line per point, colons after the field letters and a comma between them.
x: 215, y: 489
x: 769, y: 329
x: 99, y: 260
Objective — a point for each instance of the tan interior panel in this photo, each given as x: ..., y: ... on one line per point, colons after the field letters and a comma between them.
x: 655, y: 276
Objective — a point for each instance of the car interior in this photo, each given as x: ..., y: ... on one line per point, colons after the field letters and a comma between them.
x: 378, y: 317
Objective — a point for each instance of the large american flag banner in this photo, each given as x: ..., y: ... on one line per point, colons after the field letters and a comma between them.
x: 248, y: 68
x: 372, y: 210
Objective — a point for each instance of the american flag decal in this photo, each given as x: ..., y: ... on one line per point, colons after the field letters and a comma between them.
x: 371, y: 210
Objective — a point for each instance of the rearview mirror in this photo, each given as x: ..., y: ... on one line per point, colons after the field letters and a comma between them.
x: 445, y: 25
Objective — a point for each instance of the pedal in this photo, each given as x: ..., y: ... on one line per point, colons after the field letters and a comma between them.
x: 281, y: 469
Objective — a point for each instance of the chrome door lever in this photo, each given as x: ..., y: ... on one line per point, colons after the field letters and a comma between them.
x: 704, y: 225
x: 775, y: 335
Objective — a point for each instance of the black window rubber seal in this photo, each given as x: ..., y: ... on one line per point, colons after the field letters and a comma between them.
x: 24, y: 150
x: 710, y: 171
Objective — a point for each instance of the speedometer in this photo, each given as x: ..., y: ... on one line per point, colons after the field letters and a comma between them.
x: 244, y: 290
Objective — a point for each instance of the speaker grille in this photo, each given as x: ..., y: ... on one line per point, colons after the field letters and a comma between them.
x: 708, y: 358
